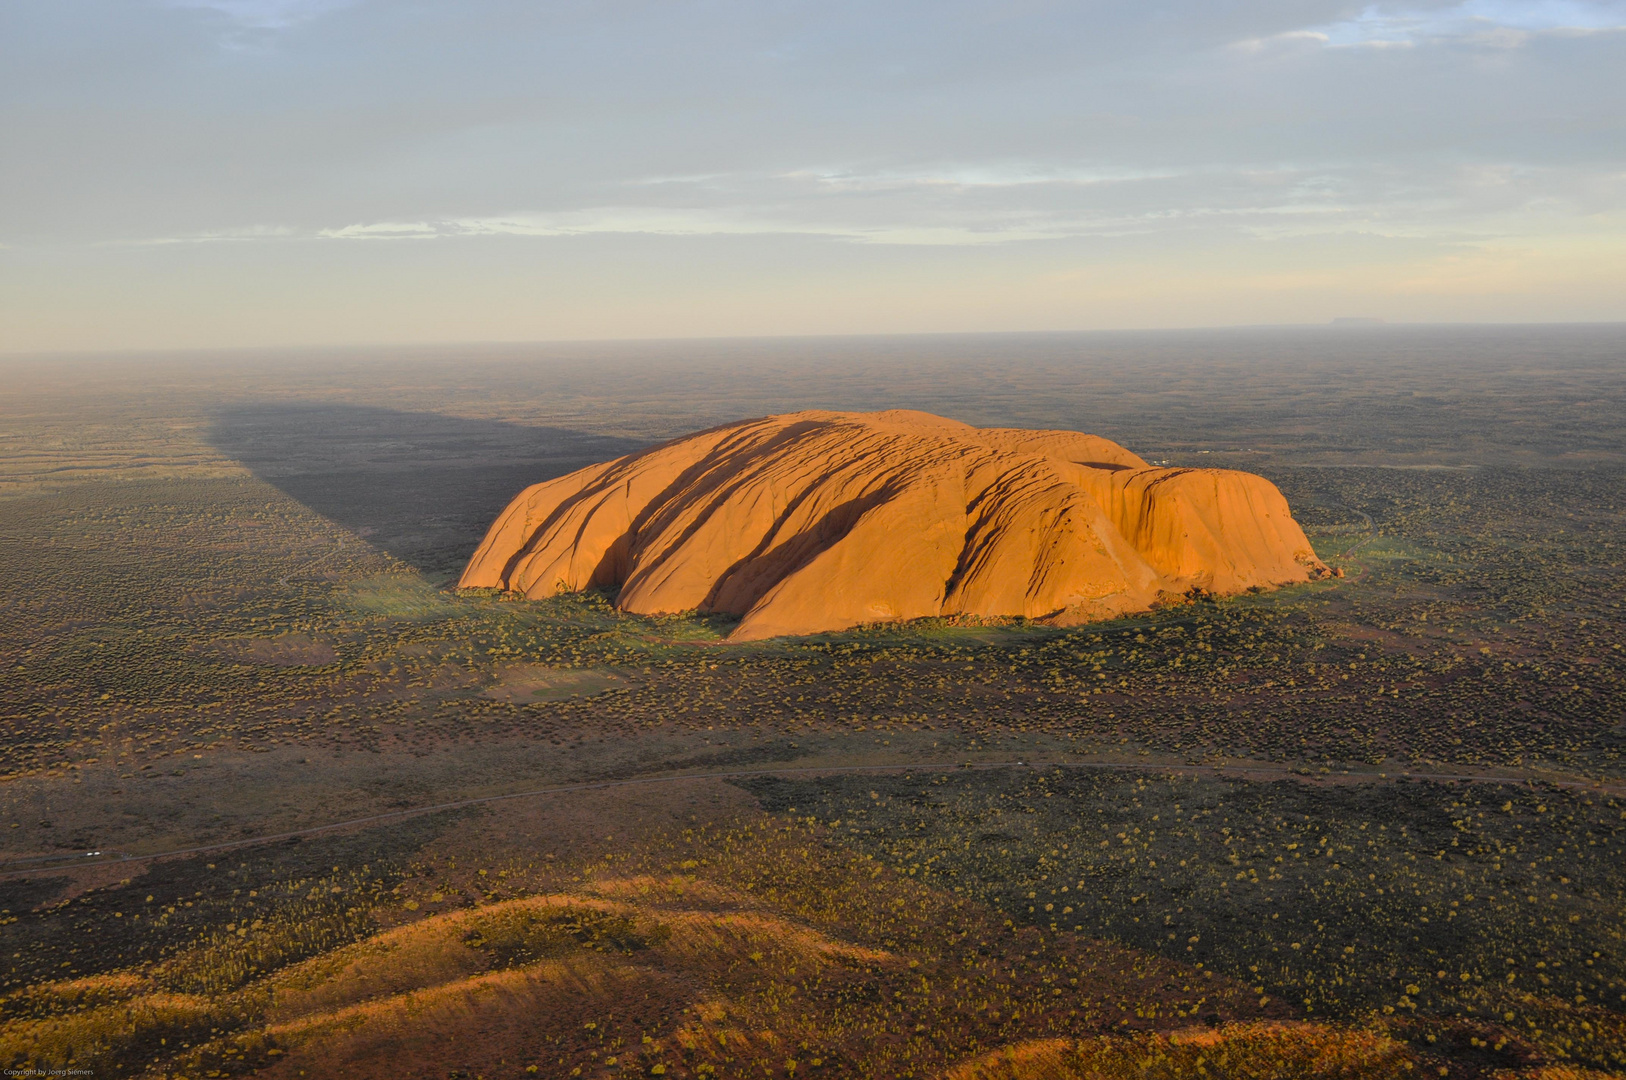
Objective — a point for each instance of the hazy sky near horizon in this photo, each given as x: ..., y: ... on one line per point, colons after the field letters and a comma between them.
x: 259, y: 172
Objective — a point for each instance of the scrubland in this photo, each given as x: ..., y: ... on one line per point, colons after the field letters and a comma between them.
x: 151, y: 622
x: 1435, y: 905
x: 1365, y: 827
x: 761, y: 948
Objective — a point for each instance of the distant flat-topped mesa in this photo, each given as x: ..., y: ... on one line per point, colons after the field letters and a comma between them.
x: 818, y: 521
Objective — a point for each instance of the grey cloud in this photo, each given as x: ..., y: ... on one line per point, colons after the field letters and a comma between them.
x: 265, y: 14
x: 130, y: 123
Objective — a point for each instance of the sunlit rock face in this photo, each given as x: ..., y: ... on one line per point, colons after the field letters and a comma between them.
x: 818, y: 521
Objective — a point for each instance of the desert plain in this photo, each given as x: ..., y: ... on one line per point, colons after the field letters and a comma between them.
x: 277, y: 798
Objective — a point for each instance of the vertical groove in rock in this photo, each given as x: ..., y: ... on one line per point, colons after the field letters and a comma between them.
x: 818, y: 521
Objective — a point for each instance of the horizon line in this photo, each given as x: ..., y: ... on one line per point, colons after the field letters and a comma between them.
x: 1341, y: 325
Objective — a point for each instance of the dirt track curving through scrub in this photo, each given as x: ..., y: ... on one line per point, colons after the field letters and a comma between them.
x: 1366, y: 537
x: 60, y: 863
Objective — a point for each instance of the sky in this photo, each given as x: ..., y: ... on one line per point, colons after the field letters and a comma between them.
x: 217, y: 173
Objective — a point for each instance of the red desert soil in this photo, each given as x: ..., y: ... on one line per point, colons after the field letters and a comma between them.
x: 818, y: 521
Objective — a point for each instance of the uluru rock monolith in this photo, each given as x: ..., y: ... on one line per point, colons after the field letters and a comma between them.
x: 818, y: 521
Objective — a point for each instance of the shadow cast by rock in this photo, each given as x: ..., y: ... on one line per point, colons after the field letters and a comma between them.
x: 421, y: 486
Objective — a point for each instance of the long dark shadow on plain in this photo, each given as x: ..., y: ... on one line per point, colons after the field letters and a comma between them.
x: 421, y: 486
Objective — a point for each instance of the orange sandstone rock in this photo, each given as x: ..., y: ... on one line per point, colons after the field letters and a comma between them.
x: 818, y: 521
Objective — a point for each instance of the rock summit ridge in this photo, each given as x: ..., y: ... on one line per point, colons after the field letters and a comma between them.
x: 818, y: 521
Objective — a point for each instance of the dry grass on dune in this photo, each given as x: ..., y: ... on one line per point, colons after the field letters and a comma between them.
x: 1268, y: 1050
x: 122, y: 1028
x: 759, y: 951
x: 1247, y: 1051
x: 715, y: 954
